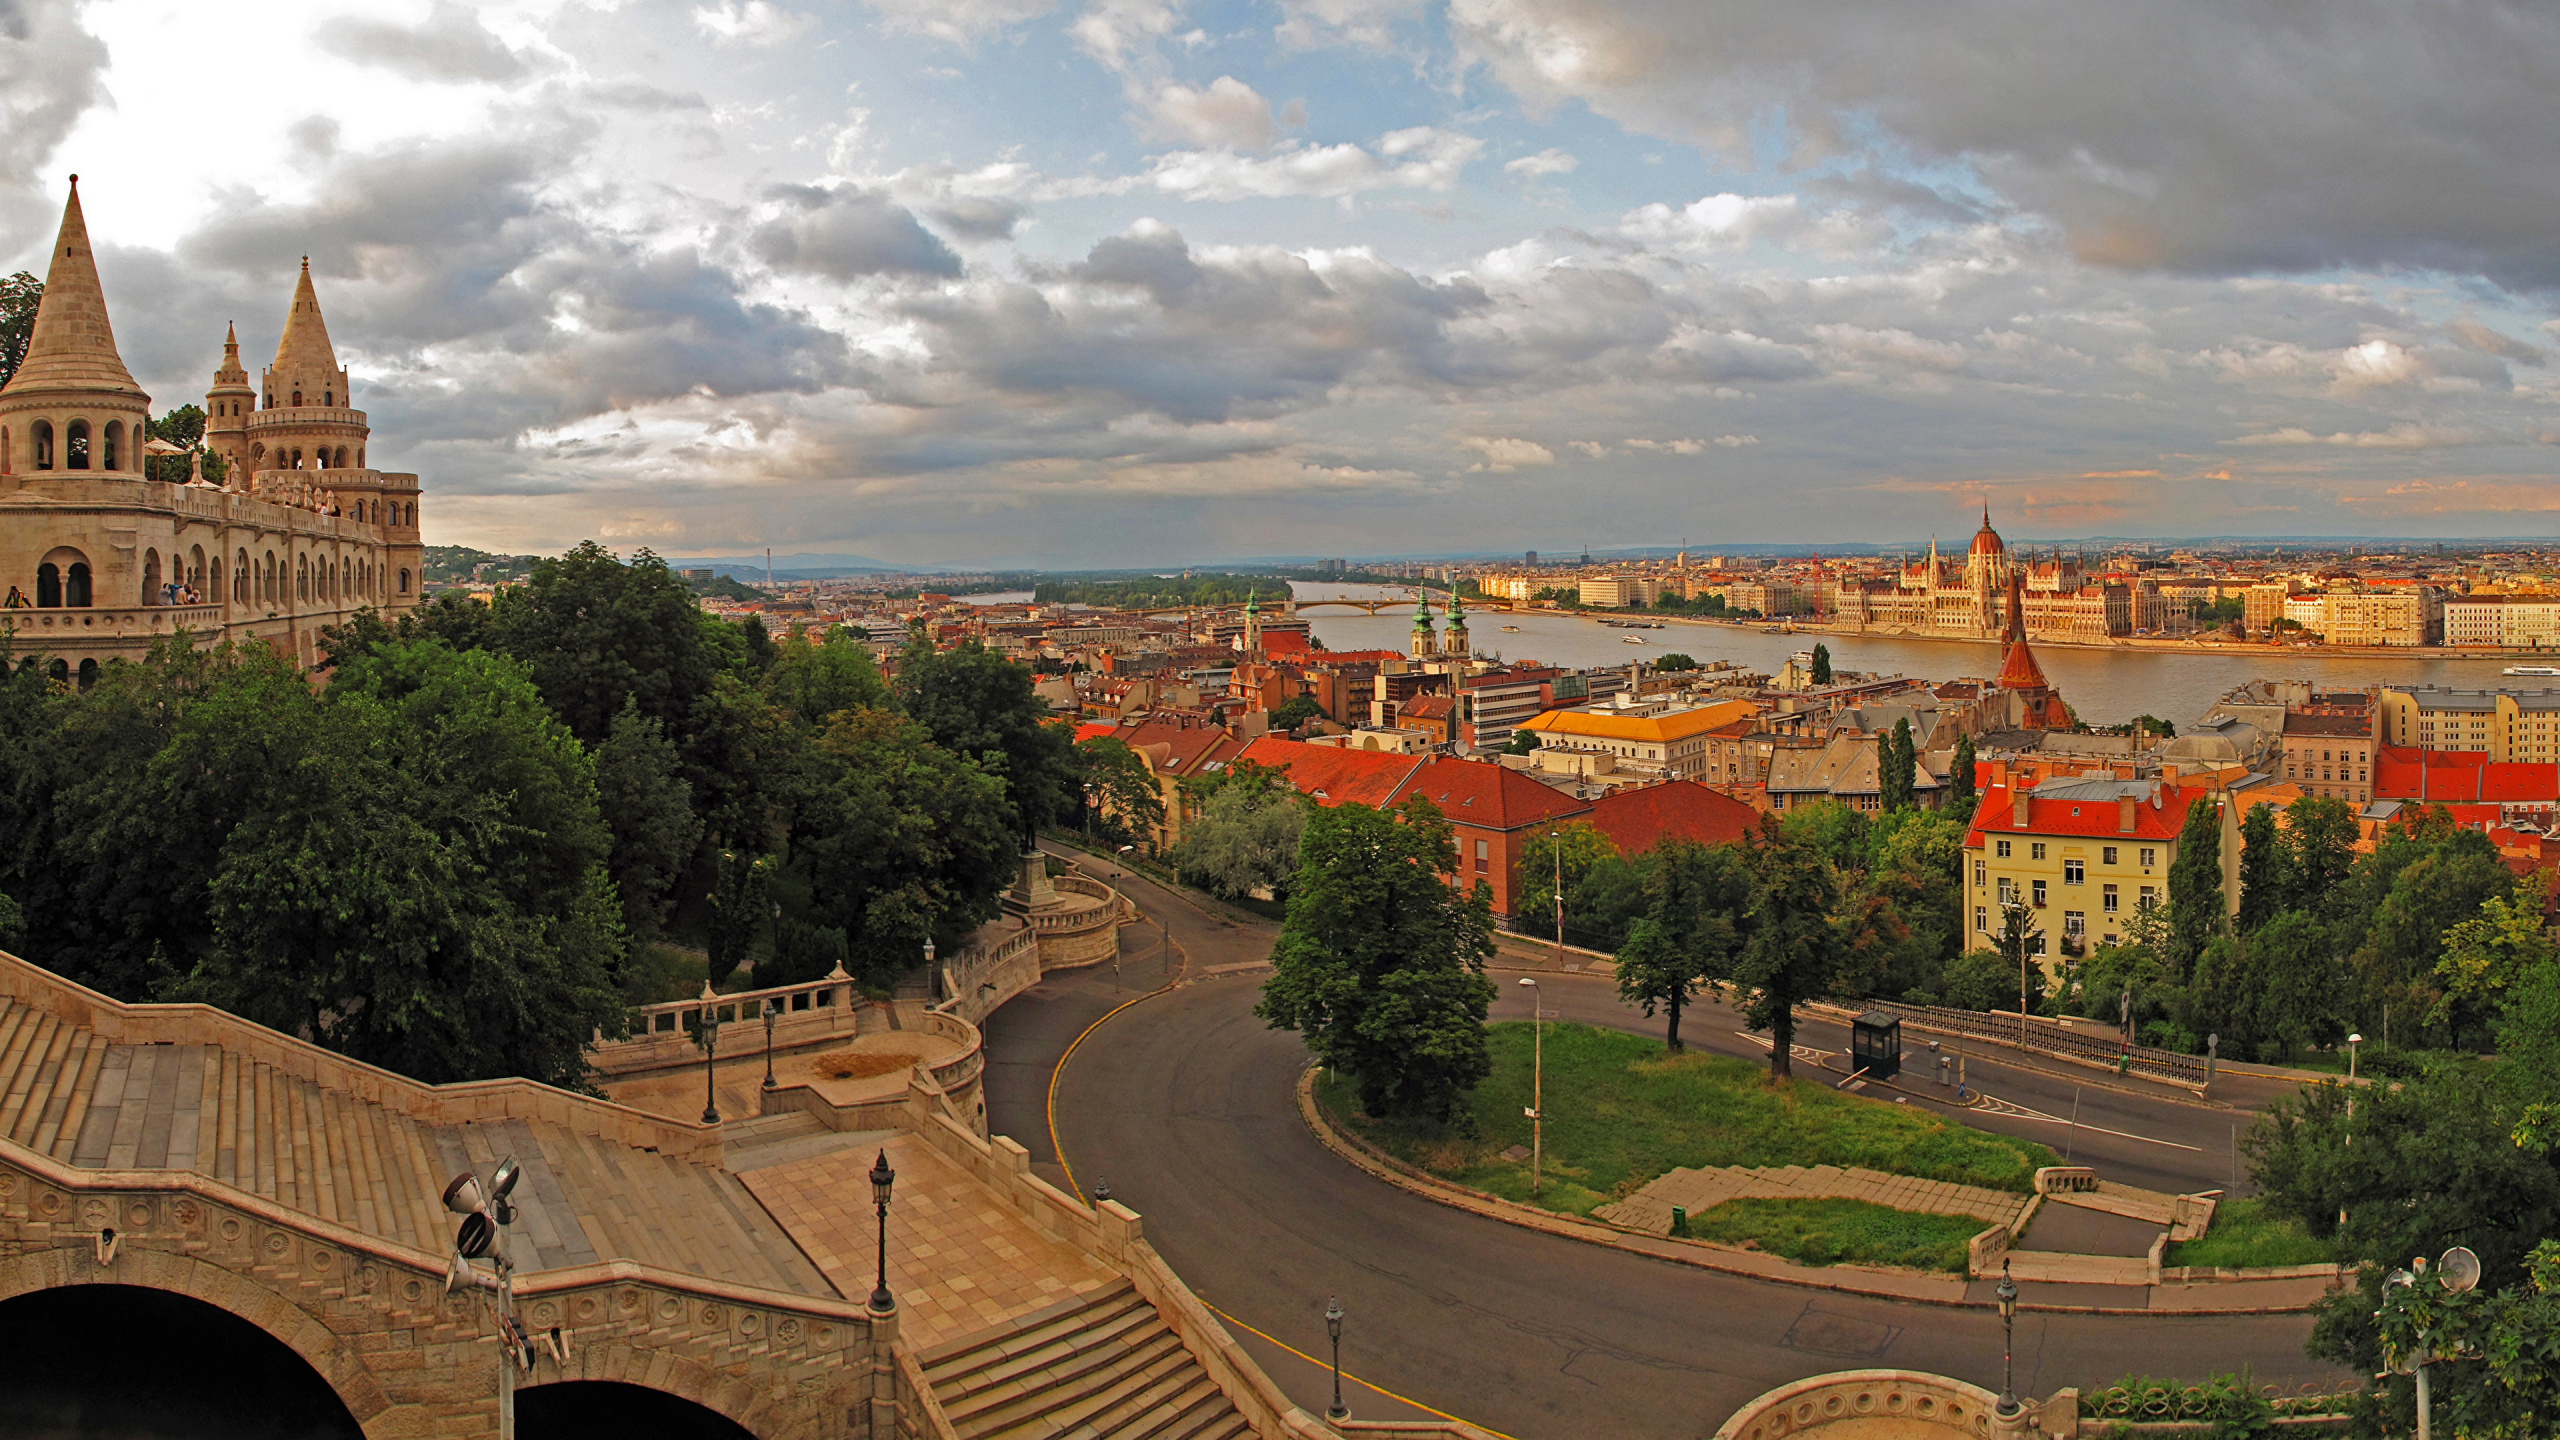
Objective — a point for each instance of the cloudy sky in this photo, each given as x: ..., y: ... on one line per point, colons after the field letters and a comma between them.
x: 1093, y: 282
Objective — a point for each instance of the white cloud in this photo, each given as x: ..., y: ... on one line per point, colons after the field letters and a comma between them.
x: 2407, y: 435
x: 957, y: 22
x: 1546, y: 162
x: 1422, y: 158
x: 1736, y: 442
x: 1225, y: 114
x: 1715, y: 220
x: 1305, y: 24
x: 1857, y: 345
x: 1505, y: 453
x: 2375, y: 362
x: 757, y: 23
x: 1670, y: 447
x: 1113, y: 31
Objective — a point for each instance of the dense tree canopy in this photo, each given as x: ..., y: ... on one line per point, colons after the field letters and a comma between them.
x: 977, y: 703
x: 1380, y: 963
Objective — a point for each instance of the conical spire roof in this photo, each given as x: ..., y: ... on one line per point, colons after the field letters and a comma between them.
x: 73, y: 347
x: 232, y: 375
x: 304, y: 353
x: 2018, y: 667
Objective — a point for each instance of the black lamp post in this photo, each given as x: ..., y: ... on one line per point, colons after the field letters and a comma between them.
x: 1333, y: 1331
x: 768, y: 1042
x: 710, y: 1048
x: 882, y: 1177
x: 2007, y: 1291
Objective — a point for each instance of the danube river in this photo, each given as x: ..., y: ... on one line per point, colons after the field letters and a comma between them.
x: 2104, y: 687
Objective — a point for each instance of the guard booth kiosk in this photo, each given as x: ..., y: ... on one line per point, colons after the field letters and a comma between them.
x: 1875, y: 1045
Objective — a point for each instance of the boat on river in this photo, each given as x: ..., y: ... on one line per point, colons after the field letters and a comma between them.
x: 2546, y: 670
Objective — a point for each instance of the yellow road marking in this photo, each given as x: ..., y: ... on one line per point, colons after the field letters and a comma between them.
x: 1354, y: 1379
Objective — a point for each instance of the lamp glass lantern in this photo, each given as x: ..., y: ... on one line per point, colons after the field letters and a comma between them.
x: 882, y: 1179
x: 2007, y: 1294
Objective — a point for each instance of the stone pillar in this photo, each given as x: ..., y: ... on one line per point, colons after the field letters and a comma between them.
x: 1033, y: 889
x: 884, y: 1376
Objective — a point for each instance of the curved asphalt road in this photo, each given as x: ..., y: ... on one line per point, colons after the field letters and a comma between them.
x: 1182, y: 1104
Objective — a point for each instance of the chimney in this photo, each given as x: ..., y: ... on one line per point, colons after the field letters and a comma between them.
x: 2018, y: 808
x: 2124, y: 815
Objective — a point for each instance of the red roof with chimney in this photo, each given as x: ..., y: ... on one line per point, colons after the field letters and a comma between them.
x: 2157, y: 818
x: 1635, y: 820
x: 1335, y: 776
x: 1173, y: 748
x: 1472, y: 792
x: 2458, y: 777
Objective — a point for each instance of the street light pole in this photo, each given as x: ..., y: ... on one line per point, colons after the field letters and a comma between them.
x: 710, y: 1049
x: 882, y: 1177
x: 1537, y: 1081
x: 768, y: 1043
x: 1555, y: 842
x: 2007, y: 1292
x: 1338, y: 1412
x: 2352, y: 1042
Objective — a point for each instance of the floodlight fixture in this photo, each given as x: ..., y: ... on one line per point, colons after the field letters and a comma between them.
x: 504, y: 1181
x: 2458, y: 1270
x: 463, y: 1197
x: 471, y: 1240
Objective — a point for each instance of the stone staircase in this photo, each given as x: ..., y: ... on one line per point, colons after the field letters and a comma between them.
x: 1700, y: 1190
x: 77, y: 1098
x: 1102, y: 1366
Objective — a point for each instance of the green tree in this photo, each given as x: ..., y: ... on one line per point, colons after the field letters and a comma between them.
x: 901, y: 839
x: 1788, y: 954
x: 812, y: 682
x: 2486, y: 956
x: 1674, y: 662
x: 1831, y: 828
x: 1245, y: 838
x: 1522, y: 742
x: 1380, y: 963
x: 1575, y: 848
x: 2197, y: 911
x: 2324, y: 835
x: 2266, y: 868
x: 1293, y: 712
x: 1960, y: 794
x: 597, y: 633
x: 975, y: 702
x: 741, y: 891
x: 1897, y: 768
x: 19, y: 296
x: 647, y: 804
x: 2504, y: 1385
x: 1122, y: 799
x: 421, y: 885
x: 1821, y: 663
x: 1695, y: 897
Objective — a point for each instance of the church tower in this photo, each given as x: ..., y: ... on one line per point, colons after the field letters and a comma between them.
x: 1425, y: 645
x: 1253, y: 620
x: 1453, y: 641
x: 226, y: 412
x: 72, y: 408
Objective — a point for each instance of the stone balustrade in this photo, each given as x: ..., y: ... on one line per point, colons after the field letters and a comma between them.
x: 92, y: 622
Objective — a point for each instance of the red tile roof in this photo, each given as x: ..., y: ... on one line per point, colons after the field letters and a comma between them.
x: 1176, y: 749
x: 1637, y: 820
x: 1095, y: 730
x: 2460, y: 777
x: 2159, y: 818
x: 1332, y: 775
x: 1490, y: 797
x: 1285, y: 642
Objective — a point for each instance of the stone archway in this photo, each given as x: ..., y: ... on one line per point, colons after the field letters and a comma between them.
x: 603, y: 1407
x: 113, y: 1358
x: 733, y: 1399
x: 329, y: 1355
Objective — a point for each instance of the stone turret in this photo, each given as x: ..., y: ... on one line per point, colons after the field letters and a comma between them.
x: 72, y: 406
x: 307, y: 420
x: 1425, y: 643
x: 226, y: 410
x: 1453, y: 640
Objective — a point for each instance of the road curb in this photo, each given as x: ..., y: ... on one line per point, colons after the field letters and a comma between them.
x: 1694, y: 1253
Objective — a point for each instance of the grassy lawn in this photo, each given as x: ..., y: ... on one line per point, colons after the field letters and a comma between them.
x: 1837, y: 1232
x: 1620, y: 1112
x: 2245, y: 1235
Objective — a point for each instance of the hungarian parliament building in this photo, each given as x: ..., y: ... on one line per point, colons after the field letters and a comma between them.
x: 1967, y: 598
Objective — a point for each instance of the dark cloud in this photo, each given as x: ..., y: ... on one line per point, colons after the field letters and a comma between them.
x: 450, y: 45
x: 49, y: 69
x: 846, y: 234
x: 2193, y: 135
x: 976, y: 218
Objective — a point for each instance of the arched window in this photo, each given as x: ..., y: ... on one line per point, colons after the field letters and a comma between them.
x: 150, y: 577
x: 404, y: 580
x: 359, y: 457
x: 328, y: 398
x: 302, y: 577
x: 4, y: 452
x: 267, y: 578
x: 48, y: 586
x: 115, y: 444
x: 88, y: 673
x: 195, y: 571
x: 297, y: 399
x: 76, y: 586
x: 240, y: 589
x: 60, y: 670
x: 40, y: 439
x: 257, y: 457
x: 75, y: 446
x: 342, y: 457
x: 320, y: 459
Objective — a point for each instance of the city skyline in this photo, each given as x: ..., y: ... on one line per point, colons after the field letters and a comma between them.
x: 1079, y: 284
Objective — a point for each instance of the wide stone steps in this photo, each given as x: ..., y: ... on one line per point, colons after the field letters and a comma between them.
x: 1102, y: 1366
x: 372, y: 1168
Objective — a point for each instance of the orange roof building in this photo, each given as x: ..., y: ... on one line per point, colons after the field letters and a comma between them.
x: 2038, y: 707
x: 1679, y: 744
